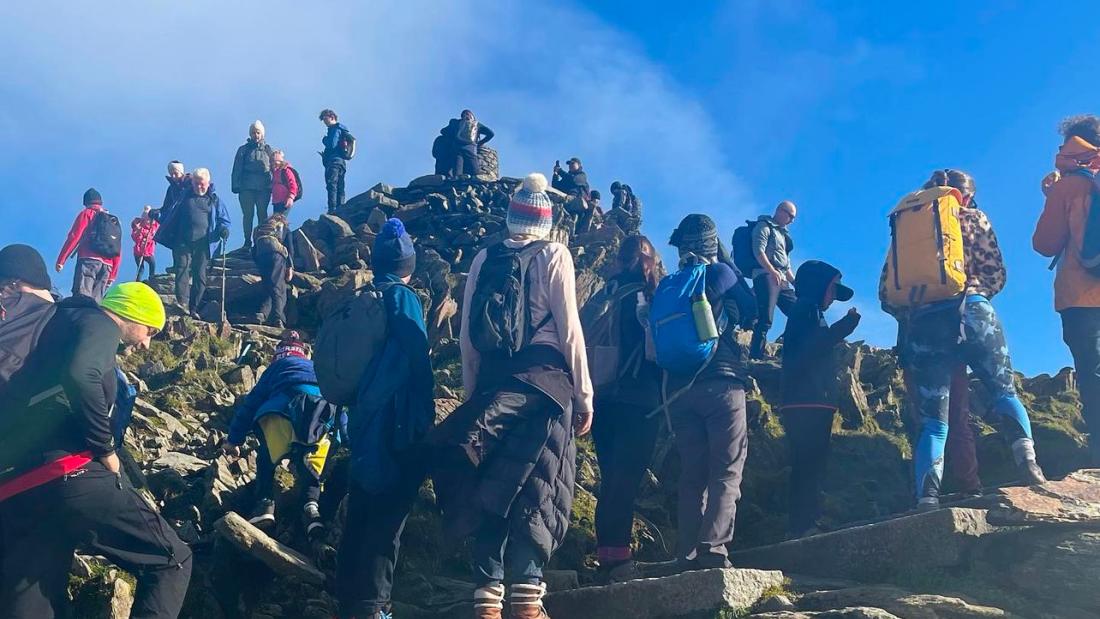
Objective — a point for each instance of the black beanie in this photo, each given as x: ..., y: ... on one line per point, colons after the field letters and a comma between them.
x: 696, y: 234
x: 24, y: 263
x: 92, y: 197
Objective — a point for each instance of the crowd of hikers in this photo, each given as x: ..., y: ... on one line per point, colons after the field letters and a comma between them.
x: 650, y: 348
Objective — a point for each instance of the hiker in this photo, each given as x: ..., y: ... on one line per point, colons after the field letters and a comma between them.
x: 144, y: 230
x: 286, y: 186
x: 178, y: 184
x: 334, y: 158
x: 251, y: 179
x: 26, y: 303
x: 705, y: 404
x: 810, y: 386
x: 772, y: 275
x: 445, y: 149
x: 627, y: 389
x: 506, y: 459
x: 95, y: 237
x: 273, y: 252
x: 469, y: 136
x: 572, y: 181
x: 291, y: 421
x: 62, y: 486
x: 393, y: 413
x: 948, y: 324
x: 192, y: 228
x: 1061, y: 231
x: 625, y: 208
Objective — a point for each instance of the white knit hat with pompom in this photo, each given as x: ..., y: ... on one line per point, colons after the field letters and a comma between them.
x: 531, y: 212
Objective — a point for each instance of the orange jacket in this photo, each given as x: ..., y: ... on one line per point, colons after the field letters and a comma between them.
x: 1061, y: 228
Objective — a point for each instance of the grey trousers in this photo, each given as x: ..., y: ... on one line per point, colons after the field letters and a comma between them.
x: 90, y: 278
x: 712, y: 439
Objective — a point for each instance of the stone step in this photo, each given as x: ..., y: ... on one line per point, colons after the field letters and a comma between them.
x: 876, y: 552
x: 1073, y: 500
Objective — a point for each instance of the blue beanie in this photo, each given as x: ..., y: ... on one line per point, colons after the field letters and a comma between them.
x: 393, y: 250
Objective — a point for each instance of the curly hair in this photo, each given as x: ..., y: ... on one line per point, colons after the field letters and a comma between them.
x: 327, y: 113
x: 1084, y: 126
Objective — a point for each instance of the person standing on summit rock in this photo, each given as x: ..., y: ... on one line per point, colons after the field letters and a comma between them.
x: 98, y: 256
x: 251, y: 179
x: 773, y: 278
x: 337, y: 143
x: 1061, y: 231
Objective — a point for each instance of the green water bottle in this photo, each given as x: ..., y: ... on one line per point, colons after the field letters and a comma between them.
x: 704, y: 318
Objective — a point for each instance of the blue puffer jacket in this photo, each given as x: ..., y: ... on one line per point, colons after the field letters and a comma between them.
x: 280, y: 382
x: 396, y: 405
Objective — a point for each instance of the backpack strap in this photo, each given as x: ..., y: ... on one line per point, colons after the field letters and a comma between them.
x: 525, y: 256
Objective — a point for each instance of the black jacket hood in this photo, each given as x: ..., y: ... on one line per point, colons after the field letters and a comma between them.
x: 813, y: 278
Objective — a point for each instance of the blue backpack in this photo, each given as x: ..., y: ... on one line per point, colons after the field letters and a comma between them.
x: 680, y: 347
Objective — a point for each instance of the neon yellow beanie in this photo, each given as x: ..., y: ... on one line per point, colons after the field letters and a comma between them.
x: 136, y: 302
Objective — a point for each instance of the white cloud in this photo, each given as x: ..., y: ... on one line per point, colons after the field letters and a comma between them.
x: 106, y: 93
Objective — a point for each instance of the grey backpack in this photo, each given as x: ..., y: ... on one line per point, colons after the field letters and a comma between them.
x: 349, y: 339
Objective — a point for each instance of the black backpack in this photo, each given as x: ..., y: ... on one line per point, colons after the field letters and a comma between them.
x: 297, y: 179
x: 600, y: 321
x: 104, y: 235
x: 347, y: 145
x: 500, y: 320
x: 744, y: 258
x: 18, y: 337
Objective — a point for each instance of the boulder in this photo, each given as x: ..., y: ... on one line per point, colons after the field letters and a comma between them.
x: 282, y: 560
x: 733, y: 591
x: 1073, y: 500
x: 336, y: 227
x: 122, y: 599
x: 181, y: 463
x: 428, y: 180
x: 306, y: 255
x: 877, y: 552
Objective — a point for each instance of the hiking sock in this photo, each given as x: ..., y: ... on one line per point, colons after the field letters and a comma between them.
x: 1023, y: 451
x: 489, y: 601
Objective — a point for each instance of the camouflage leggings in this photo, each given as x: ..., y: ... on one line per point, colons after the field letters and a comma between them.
x: 938, y: 341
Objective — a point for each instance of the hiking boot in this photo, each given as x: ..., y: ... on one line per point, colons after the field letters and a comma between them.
x: 525, y: 601
x: 618, y: 572
x: 928, y: 504
x: 489, y: 602
x: 311, y: 520
x: 1031, y: 473
x: 263, y: 517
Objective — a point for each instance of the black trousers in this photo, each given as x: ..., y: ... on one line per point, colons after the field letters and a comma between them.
x: 768, y: 297
x: 190, y: 262
x: 1081, y: 332
x: 809, y: 431
x: 335, y: 169
x: 467, y: 162
x: 272, y: 266
x: 145, y: 260
x: 369, y: 549
x: 100, y: 513
x: 624, y: 447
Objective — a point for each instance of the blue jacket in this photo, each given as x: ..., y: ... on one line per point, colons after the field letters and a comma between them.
x: 396, y: 405
x: 332, y: 141
x: 276, y: 387
x: 219, y: 219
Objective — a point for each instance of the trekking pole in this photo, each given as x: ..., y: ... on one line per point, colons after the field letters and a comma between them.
x: 224, y: 321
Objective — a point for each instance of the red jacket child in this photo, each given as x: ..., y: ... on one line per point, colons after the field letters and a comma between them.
x: 142, y: 230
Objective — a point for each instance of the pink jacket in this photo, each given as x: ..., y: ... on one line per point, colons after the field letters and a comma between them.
x: 75, y: 241
x: 283, y: 184
x: 143, y: 230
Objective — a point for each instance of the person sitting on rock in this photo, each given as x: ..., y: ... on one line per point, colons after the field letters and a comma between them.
x: 273, y: 252
x: 622, y: 213
x: 505, y: 461
x: 469, y: 136
x: 810, y: 386
x: 68, y: 490
x: 393, y: 412
x: 978, y: 340
x: 251, y: 179
x: 192, y: 229
x: 143, y: 230
x: 283, y: 410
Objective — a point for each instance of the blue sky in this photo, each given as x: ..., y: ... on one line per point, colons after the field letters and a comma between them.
x: 723, y: 108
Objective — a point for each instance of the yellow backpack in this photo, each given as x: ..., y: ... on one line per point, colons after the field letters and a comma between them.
x: 925, y: 262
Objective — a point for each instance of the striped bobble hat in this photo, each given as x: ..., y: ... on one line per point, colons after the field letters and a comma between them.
x: 531, y: 212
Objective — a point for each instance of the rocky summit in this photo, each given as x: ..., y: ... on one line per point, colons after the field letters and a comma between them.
x: 1027, y: 552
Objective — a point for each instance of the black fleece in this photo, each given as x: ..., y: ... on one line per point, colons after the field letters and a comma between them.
x: 76, y: 351
x: 809, y: 356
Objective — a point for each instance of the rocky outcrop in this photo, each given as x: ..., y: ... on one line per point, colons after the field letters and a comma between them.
x: 1073, y: 500
x: 255, y: 543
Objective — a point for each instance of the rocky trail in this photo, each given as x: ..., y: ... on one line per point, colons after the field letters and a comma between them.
x: 1017, y: 552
